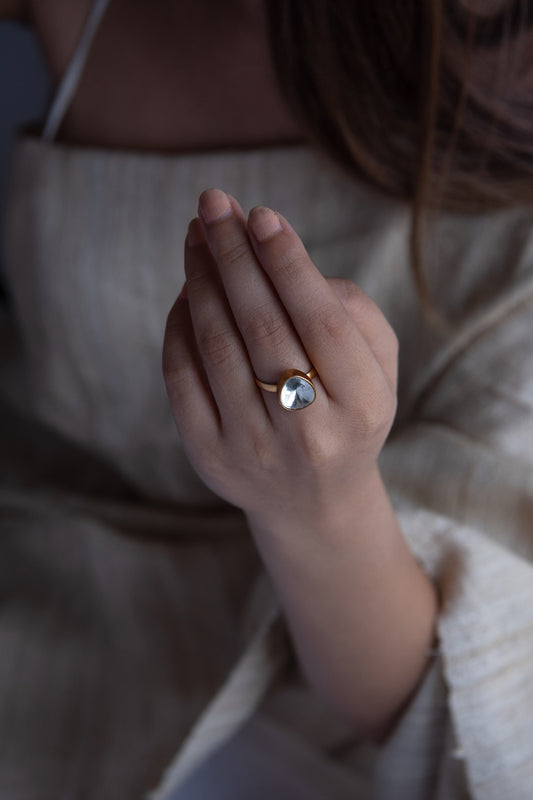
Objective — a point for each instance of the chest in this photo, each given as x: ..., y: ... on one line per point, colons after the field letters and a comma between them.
x: 168, y: 76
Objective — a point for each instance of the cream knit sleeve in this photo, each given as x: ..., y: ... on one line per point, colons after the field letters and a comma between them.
x: 460, y: 475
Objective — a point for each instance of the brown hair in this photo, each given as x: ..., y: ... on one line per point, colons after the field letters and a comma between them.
x: 429, y: 100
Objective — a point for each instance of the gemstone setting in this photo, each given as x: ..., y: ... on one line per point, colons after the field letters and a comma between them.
x: 295, y: 390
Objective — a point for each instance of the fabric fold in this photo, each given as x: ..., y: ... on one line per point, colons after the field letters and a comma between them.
x: 233, y: 705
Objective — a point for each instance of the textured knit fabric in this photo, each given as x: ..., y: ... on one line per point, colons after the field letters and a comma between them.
x: 134, y: 614
x: 125, y: 582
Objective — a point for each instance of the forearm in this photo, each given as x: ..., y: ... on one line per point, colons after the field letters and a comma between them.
x: 360, y: 610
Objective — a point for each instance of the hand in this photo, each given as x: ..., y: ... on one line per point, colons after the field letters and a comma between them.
x: 255, y: 305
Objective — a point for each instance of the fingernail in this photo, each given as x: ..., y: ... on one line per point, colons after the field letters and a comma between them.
x: 213, y: 205
x: 263, y: 223
x: 195, y: 234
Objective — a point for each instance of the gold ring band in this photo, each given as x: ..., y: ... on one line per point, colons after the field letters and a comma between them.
x: 295, y: 389
x: 273, y: 387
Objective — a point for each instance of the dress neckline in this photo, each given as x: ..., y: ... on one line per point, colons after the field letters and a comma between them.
x: 30, y: 136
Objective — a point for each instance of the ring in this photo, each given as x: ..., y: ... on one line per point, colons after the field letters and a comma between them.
x: 295, y: 389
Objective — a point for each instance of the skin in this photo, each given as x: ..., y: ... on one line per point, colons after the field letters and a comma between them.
x: 360, y: 610
x: 146, y: 56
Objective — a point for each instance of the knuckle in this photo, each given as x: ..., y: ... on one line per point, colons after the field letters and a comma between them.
x: 360, y: 305
x: 265, y: 459
x: 331, y: 319
x: 351, y: 295
x: 290, y: 263
x: 351, y: 292
x: 265, y: 325
x: 197, y: 279
x: 318, y: 447
x: 233, y: 251
x: 216, y: 346
x: 375, y: 413
x: 178, y: 381
x: 249, y: 452
x: 368, y: 419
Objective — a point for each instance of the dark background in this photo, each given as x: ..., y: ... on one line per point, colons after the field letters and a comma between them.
x: 24, y: 89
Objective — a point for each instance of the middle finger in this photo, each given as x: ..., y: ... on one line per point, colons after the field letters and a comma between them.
x: 267, y: 331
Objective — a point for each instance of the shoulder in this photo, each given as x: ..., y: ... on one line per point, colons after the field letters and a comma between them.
x: 57, y: 25
x: 53, y: 20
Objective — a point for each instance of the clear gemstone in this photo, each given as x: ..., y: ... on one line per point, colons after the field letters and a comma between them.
x: 296, y: 393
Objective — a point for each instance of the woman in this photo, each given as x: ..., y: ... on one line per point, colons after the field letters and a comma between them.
x: 153, y: 106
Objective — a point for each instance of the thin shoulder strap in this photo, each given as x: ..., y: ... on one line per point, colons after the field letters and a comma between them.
x: 72, y: 75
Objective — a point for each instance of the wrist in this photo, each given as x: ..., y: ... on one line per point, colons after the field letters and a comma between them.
x: 329, y: 516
